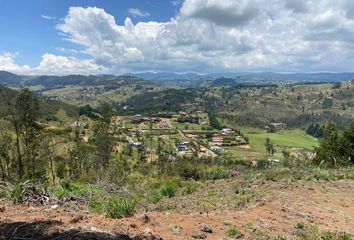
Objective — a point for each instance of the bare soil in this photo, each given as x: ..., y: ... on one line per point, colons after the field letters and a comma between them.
x: 277, y: 210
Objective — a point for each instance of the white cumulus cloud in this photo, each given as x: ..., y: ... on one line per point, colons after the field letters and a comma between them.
x: 136, y: 12
x: 212, y: 35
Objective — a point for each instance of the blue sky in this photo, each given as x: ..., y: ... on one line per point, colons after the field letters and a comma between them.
x: 60, y: 37
x: 25, y: 31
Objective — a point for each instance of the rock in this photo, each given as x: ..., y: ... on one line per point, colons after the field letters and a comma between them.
x: 207, y: 228
x: 199, y: 235
x: 133, y: 225
x: 54, y: 206
x: 145, y: 218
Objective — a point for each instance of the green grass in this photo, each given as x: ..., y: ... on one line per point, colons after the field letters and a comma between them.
x: 285, y: 138
x: 187, y: 126
x: 234, y: 233
x: 292, y: 140
x: 119, y: 207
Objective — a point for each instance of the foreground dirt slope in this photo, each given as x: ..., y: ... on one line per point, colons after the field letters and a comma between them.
x: 281, y: 209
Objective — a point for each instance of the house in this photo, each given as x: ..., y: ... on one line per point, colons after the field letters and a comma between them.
x: 227, y: 132
x: 217, y: 140
x: 183, y: 114
x: 164, y: 124
x: 182, y: 146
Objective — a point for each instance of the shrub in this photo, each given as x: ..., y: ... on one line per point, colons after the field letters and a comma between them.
x: 169, y: 190
x: 234, y: 233
x: 154, y: 196
x: 16, y: 192
x: 60, y: 192
x: 97, y: 205
x: 218, y: 173
x: 190, y: 187
x: 119, y: 207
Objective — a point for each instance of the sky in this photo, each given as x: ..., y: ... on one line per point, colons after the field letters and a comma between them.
x: 61, y: 37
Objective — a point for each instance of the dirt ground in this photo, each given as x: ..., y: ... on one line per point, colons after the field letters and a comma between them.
x: 327, y: 205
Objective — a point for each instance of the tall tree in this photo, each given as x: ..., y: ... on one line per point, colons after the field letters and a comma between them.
x: 328, y: 150
x: 15, y: 122
x: 27, y: 108
x: 269, y: 146
x: 5, y: 158
x: 104, y: 137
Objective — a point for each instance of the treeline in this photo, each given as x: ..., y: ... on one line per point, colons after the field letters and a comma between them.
x: 325, y: 116
x: 336, y: 147
x: 29, y: 151
x: 316, y: 130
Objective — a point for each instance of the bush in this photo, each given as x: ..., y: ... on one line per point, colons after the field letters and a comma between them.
x: 169, y: 190
x: 97, y: 205
x: 234, y: 233
x: 154, y: 196
x: 218, y: 173
x: 190, y: 187
x: 119, y: 207
x: 15, y: 192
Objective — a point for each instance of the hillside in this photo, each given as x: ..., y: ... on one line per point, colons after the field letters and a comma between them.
x: 194, y: 79
x: 48, y: 108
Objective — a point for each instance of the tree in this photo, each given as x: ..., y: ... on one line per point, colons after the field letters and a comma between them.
x: 104, y: 137
x: 327, y: 152
x: 272, y: 128
x: 15, y: 122
x: 5, y: 158
x: 269, y: 147
x: 327, y: 103
x: 27, y: 109
x: 347, y: 144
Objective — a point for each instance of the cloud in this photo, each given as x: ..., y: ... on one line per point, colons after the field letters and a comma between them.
x: 48, y: 17
x: 176, y: 2
x: 7, y: 63
x: 209, y: 36
x: 52, y: 65
x: 135, y: 12
x: 60, y: 65
x: 213, y: 35
x: 225, y: 13
x: 298, y: 6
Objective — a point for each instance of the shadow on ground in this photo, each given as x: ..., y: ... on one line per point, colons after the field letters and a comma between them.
x: 51, y: 230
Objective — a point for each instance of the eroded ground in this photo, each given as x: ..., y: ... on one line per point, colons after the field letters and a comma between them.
x: 269, y: 210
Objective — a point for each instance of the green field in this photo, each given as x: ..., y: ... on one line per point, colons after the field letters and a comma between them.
x: 292, y: 140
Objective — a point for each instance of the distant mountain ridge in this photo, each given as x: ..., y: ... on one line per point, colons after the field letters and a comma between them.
x: 13, y: 80
x: 243, y: 77
x: 170, y: 78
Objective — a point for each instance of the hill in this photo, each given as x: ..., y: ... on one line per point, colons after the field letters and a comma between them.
x: 48, y: 108
x: 194, y: 79
x: 9, y: 79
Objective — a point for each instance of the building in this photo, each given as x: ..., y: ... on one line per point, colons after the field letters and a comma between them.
x: 164, y: 124
x: 227, y: 132
x: 217, y: 140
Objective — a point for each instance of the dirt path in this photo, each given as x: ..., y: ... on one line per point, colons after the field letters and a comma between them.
x: 328, y: 205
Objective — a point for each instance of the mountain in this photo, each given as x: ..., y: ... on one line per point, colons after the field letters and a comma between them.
x: 48, y: 82
x: 9, y: 79
x: 186, y: 79
x: 229, y: 78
